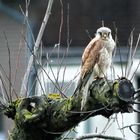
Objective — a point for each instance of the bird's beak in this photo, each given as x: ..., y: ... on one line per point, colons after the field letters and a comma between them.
x: 104, y: 36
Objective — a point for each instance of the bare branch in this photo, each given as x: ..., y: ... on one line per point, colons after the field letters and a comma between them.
x: 130, y: 127
x: 36, y: 46
x: 88, y: 136
x: 9, y: 64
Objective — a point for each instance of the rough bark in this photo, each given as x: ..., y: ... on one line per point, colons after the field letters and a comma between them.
x: 42, y: 117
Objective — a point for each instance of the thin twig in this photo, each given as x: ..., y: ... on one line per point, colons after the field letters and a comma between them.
x: 69, y: 84
x: 6, y: 76
x: 61, y: 22
x: 9, y: 64
x: 129, y: 54
x: 56, y: 85
x: 3, y: 90
x: 108, y: 125
x: 88, y: 136
x: 68, y: 45
x: 18, y: 59
x: 114, y: 52
x: 27, y: 24
x: 4, y: 87
x: 135, y: 71
x: 121, y: 60
x: 130, y: 127
x: 36, y: 46
x: 133, y: 55
x: 88, y: 34
x: 37, y: 79
x: 59, y: 41
x: 122, y: 131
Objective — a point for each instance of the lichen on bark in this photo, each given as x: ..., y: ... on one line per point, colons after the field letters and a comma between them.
x: 42, y: 117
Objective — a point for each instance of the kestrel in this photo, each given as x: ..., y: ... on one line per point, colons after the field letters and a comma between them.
x: 96, y: 60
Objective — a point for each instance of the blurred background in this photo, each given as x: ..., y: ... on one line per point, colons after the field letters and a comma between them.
x: 78, y: 20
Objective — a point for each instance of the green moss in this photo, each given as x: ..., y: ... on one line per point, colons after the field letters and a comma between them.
x: 68, y: 105
x: 18, y: 102
x: 27, y: 114
x: 101, y: 98
x: 115, y: 87
x: 55, y: 114
x: 54, y: 96
x: 101, y: 93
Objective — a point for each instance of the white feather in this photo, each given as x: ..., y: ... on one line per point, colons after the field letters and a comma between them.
x: 86, y: 90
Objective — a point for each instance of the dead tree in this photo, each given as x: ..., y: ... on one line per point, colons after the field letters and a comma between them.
x: 48, y: 117
x: 44, y: 117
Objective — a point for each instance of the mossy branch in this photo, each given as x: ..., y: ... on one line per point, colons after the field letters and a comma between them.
x: 44, y: 117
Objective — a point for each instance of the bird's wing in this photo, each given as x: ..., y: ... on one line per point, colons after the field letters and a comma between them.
x: 89, y: 59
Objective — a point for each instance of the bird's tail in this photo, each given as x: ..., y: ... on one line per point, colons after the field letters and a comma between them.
x: 83, y: 81
x: 83, y: 84
x: 78, y: 87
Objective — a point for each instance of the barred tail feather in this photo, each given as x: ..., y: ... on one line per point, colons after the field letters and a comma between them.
x: 86, y: 90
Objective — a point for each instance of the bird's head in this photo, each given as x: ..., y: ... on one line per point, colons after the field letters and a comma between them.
x: 104, y: 33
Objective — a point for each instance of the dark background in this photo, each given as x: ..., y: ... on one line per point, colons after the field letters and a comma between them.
x: 88, y: 15
x: 84, y: 15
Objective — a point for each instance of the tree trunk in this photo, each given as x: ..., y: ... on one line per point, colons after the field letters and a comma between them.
x: 45, y: 118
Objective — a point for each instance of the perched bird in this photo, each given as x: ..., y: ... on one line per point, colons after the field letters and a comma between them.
x: 96, y: 59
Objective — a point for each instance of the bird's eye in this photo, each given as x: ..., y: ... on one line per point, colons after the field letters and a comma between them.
x: 108, y: 33
x: 100, y: 33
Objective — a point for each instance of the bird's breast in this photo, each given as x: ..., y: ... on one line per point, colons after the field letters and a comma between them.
x: 105, y: 56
